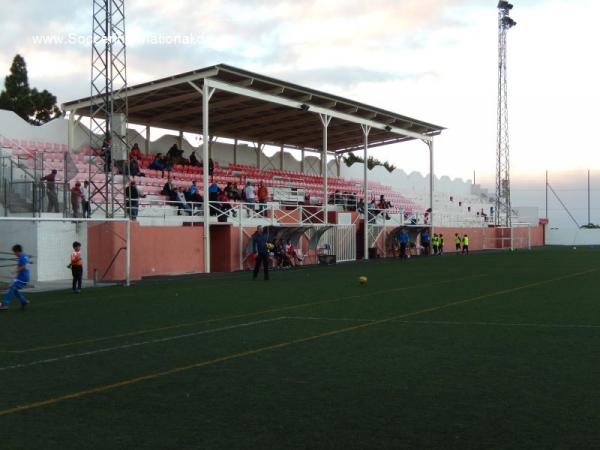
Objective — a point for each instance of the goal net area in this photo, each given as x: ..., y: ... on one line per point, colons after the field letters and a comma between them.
x: 48, y: 242
x: 519, y: 236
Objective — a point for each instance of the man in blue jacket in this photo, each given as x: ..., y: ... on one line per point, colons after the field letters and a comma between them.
x: 403, y: 238
x: 260, y: 249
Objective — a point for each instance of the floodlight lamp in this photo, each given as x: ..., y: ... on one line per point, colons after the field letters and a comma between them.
x: 508, y: 22
x: 388, y: 128
x: 504, y: 5
x: 304, y: 107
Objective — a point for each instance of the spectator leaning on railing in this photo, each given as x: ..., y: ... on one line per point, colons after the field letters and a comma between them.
x: 50, y: 180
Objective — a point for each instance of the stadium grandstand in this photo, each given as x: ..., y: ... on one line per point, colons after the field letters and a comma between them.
x: 329, y: 211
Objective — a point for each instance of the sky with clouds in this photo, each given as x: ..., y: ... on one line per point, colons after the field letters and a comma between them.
x: 435, y: 60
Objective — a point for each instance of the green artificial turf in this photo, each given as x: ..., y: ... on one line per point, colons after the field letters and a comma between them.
x: 489, y: 351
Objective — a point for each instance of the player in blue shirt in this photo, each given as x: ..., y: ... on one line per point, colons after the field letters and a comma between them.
x: 19, y: 282
x: 403, y: 238
x: 425, y: 242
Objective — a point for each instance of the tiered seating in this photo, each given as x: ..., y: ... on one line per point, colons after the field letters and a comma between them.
x: 183, y: 175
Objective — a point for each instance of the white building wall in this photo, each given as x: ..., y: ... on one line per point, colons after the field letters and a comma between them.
x: 572, y: 236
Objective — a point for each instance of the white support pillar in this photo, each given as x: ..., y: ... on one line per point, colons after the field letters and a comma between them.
x: 281, y: 154
x: 128, y: 253
x: 302, y: 161
x: 325, y: 120
x: 207, y: 93
x: 338, y: 163
x: 71, y: 133
x: 147, y: 144
x: 431, y: 186
x: 366, y: 130
x: 180, y: 140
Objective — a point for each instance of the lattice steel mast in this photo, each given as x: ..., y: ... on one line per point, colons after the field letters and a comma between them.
x: 503, y: 206
x: 108, y: 111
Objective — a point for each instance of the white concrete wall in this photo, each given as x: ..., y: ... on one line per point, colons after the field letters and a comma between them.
x: 572, y: 236
x: 50, y: 243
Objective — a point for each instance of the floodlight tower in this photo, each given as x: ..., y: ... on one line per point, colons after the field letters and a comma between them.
x: 503, y: 206
x: 108, y: 111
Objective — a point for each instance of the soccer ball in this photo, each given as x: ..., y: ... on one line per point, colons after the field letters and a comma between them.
x: 362, y: 280
x: 574, y: 248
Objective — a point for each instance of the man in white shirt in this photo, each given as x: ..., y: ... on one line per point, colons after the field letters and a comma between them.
x: 250, y: 196
x: 85, y: 203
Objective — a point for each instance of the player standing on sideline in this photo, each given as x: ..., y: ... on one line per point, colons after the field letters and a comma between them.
x: 76, y: 267
x: 403, y: 243
x: 465, y: 248
x: 435, y: 243
x: 457, y: 242
x: 425, y: 242
x: 440, y: 244
x: 20, y: 281
x: 259, y: 247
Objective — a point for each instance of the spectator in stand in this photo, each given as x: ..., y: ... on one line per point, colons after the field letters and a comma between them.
x: 211, y: 167
x: 291, y: 252
x: 175, y: 154
x: 106, y: 153
x: 50, y: 180
x: 168, y: 190
x: 156, y: 163
x: 224, y: 205
x: 132, y: 200
x: 134, y: 168
x: 192, y: 194
x: 85, y: 201
x: 249, y: 196
x: 181, y: 202
x: 234, y: 193
x: 135, y: 152
x: 360, y: 206
x: 167, y: 163
x: 384, y: 204
x: 193, y: 160
x: 76, y: 197
x: 263, y: 196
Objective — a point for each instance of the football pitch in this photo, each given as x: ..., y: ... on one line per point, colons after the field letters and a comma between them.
x: 494, y: 350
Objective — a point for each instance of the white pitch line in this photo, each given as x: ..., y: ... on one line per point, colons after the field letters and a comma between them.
x: 447, y: 322
x: 135, y: 344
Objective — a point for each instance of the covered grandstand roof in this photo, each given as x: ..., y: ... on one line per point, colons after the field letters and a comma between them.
x: 256, y: 108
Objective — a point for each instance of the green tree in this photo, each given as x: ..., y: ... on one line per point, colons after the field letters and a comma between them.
x: 30, y: 104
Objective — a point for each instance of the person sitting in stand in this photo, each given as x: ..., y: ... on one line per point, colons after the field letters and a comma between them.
x: 135, y: 152
x: 157, y: 164
x: 384, y: 204
x: 192, y: 194
x: 168, y: 190
x: 182, y: 202
x: 134, y: 168
x: 224, y: 205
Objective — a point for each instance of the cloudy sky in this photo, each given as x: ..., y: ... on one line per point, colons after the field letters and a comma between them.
x: 435, y: 60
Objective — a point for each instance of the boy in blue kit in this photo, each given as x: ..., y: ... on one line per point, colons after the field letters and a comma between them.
x: 19, y: 282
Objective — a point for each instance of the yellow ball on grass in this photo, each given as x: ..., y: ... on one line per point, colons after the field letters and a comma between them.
x: 362, y: 280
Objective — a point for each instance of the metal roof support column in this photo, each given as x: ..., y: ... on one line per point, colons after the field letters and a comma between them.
x: 302, y: 161
x: 366, y: 130
x: 325, y: 120
x: 258, y: 152
x: 235, y: 144
x: 71, y: 134
x: 431, y: 185
x: 281, y: 159
x: 180, y: 140
x: 207, y: 93
x: 147, y: 144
